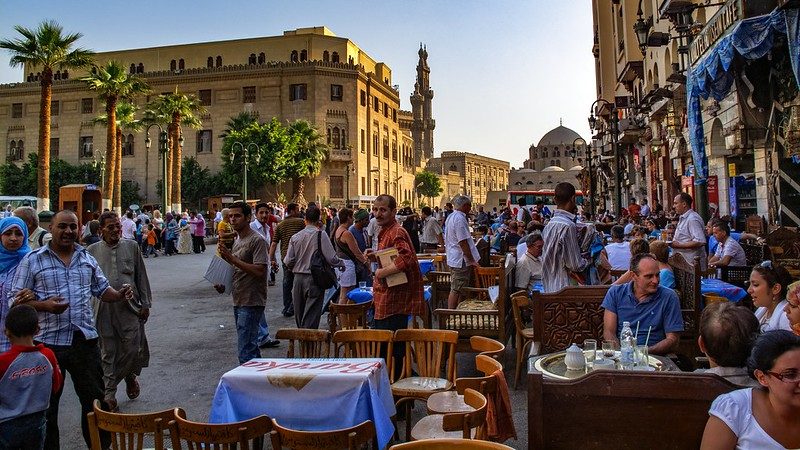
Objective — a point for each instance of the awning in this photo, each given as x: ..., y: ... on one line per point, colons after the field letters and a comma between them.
x: 752, y: 39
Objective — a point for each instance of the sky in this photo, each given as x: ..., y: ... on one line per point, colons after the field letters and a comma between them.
x: 503, y: 72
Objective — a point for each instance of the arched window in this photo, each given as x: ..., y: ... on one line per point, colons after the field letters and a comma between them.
x: 326, y: 56
x: 335, y: 57
x: 544, y: 153
x: 219, y: 61
x: 529, y: 182
x: 262, y: 58
x: 335, y: 137
x: 181, y: 64
x: 343, y: 142
x: 12, y: 150
x: 38, y: 74
x: 251, y: 59
x: 303, y: 55
x: 293, y: 57
x: 133, y: 68
x: 350, y: 60
x: 139, y: 69
x: 127, y: 146
x: 329, y: 136
x: 210, y: 62
x: 173, y: 65
x: 57, y: 75
x: 30, y: 77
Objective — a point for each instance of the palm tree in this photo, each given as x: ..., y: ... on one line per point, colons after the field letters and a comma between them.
x: 46, y: 48
x: 177, y: 110
x: 239, y: 122
x: 113, y: 83
x: 309, y: 153
x: 126, y: 120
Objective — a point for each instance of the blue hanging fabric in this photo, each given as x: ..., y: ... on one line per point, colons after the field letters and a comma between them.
x: 793, y: 38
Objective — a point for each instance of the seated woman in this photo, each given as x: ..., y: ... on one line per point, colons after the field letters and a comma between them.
x: 764, y: 417
x: 793, y: 307
x: 727, y: 332
x: 768, y: 285
x: 661, y: 251
x: 652, y: 229
x: 638, y: 246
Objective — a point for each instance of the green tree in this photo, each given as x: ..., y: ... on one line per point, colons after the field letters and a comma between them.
x: 46, y: 48
x: 428, y: 184
x: 239, y: 122
x: 22, y: 180
x: 126, y: 120
x: 267, y: 165
x: 177, y: 110
x: 196, y: 181
x: 129, y: 193
x: 305, y: 157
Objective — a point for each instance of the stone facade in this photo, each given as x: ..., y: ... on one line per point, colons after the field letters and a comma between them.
x: 470, y: 174
x: 551, y: 161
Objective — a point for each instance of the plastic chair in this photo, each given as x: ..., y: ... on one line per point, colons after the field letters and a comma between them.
x: 310, y: 343
x: 129, y: 431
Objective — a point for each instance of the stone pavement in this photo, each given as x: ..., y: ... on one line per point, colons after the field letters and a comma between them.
x: 192, y: 340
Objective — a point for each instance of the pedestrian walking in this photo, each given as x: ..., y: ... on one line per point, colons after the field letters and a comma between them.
x: 261, y: 227
x: 289, y: 226
x: 561, y: 253
x: 198, y: 223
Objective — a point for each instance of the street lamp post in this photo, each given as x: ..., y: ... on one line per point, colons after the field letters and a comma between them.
x: 574, y: 153
x: 163, y: 149
x: 349, y: 167
x: 245, y: 162
x: 614, y: 149
x: 102, y: 161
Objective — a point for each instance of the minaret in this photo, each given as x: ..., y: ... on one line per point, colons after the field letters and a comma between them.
x: 422, y: 109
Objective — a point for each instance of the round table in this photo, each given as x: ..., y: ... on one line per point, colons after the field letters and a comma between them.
x: 553, y: 366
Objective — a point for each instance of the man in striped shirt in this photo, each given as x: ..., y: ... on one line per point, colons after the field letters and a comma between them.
x: 288, y: 227
x: 561, y: 253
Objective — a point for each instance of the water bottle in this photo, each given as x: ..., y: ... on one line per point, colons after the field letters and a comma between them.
x: 627, y: 343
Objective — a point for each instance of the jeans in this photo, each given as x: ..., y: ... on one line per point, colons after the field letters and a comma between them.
x: 393, y: 323
x: 288, y: 284
x: 263, y: 329
x: 24, y: 432
x: 247, y: 320
x: 82, y: 361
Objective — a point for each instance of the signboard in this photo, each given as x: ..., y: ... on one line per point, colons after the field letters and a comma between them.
x: 715, y: 28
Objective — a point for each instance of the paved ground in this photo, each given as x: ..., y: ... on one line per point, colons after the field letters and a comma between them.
x: 193, y: 342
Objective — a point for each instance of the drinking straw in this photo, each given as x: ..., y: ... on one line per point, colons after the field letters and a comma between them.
x: 649, y: 329
x: 636, y: 335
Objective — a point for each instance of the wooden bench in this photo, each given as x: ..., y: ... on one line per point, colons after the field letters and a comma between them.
x: 621, y: 410
x: 569, y: 315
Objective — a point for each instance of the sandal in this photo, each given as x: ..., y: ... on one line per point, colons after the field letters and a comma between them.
x: 132, y: 387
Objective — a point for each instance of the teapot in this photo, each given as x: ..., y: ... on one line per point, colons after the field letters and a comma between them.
x: 574, y: 358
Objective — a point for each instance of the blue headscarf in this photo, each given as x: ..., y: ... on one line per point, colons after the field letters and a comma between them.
x: 9, y: 259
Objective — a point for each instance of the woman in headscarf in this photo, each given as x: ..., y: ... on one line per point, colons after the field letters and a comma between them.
x: 13, y: 247
x: 170, y: 234
x: 184, y: 236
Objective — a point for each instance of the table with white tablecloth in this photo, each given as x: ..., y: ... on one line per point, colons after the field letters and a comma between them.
x: 317, y: 394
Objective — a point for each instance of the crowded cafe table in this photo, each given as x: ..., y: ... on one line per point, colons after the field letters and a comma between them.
x: 554, y: 365
x: 719, y: 288
x: 316, y: 394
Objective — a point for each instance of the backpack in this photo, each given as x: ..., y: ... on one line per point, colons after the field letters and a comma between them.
x: 321, y: 271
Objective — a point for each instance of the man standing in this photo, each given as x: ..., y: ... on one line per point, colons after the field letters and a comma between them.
x: 358, y: 230
x: 37, y: 236
x: 690, y: 237
x: 561, y: 252
x: 655, y: 308
x: 529, y: 264
x: 123, y: 344
x: 306, y: 295
x: 249, y: 290
x: 261, y: 227
x: 432, y: 234
x: 59, y: 280
x: 393, y: 305
x: 288, y: 227
x: 645, y: 210
x: 128, y: 227
x: 462, y: 254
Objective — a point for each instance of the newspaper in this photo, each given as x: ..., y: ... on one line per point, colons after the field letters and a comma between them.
x: 220, y: 272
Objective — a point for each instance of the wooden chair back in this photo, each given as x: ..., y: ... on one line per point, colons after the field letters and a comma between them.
x: 440, y: 288
x: 427, y: 351
x: 447, y: 444
x: 756, y: 253
x: 352, y: 438
x: 569, y: 315
x: 487, y: 384
x: 687, y: 285
x: 248, y: 434
x: 519, y: 302
x: 497, y: 260
x: 364, y: 344
x: 487, y: 346
x: 131, y: 431
x: 735, y: 275
x: 488, y: 276
x: 309, y: 343
x: 557, y: 409
x: 347, y: 316
x: 467, y: 421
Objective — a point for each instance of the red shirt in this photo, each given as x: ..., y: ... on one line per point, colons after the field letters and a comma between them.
x: 404, y: 298
x: 8, y: 357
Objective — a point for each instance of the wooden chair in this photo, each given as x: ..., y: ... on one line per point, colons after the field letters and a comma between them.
x: 497, y: 260
x: 567, y: 414
x: 572, y: 314
x: 310, y: 343
x: 488, y: 276
x: 426, y: 352
x: 487, y: 346
x: 523, y: 336
x: 248, y: 434
x: 129, y: 431
x: 440, y: 288
x: 352, y: 438
x: 453, y: 401
x: 756, y: 253
x: 347, y: 317
x: 736, y: 275
x: 687, y: 285
x: 454, y: 424
x: 448, y: 444
x: 364, y: 344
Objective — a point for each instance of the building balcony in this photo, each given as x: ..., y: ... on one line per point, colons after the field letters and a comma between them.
x: 337, y: 154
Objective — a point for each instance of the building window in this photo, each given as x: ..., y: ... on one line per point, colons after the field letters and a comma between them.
x: 326, y: 56
x: 336, y: 92
x: 173, y: 65
x: 87, y: 106
x: 219, y: 61
x: 16, y: 150
x: 293, y: 56
x: 544, y: 153
x: 54, y: 107
x: 204, y: 141
x: 249, y: 94
x: 303, y: 55
x: 127, y: 145
x: 363, y: 98
x: 251, y: 59
x: 337, y: 186
x: 181, y: 64
x: 375, y: 186
x: 363, y: 141
x: 335, y: 57
x: 394, y: 115
x: 262, y: 58
x: 394, y: 146
x: 363, y: 186
x: 297, y: 91
x: 139, y: 69
x: 133, y: 68
x: 334, y: 141
x: 385, y: 187
x: 16, y: 110
x: 54, y: 148
x: 376, y: 104
x: 205, y: 97
x: 343, y: 140
x: 210, y: 62
x: 386, y: 147
x: 375, y: 144
x: 85, y: 147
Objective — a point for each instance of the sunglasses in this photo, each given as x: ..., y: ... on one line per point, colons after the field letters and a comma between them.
x: 767, y: 265
x: 791, y: 376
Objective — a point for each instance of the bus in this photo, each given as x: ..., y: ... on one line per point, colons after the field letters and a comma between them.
x: 17, y: 201
x: 533, y: 197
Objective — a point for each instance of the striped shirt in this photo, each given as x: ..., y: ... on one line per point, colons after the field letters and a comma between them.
x: 45, y: 274
x: 561, y: 252
x: 285, y: 230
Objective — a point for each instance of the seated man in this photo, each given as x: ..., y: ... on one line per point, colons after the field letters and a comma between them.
x: 618, y: 250
x: 643, y: 301
x: 529, y: 266
x: 727, y: 333
x: 729, y: 252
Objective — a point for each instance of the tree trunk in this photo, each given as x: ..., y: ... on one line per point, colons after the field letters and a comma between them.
x: 43, y: 190
x: 118, y: 175
x: 298, y: 186
x: 111, y: 153
x: 176, y: 164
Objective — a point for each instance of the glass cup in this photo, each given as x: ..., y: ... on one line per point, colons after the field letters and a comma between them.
x: 590, y: 350
x: 640, y: 356
x: 608, y: 349
x: 362, y: 285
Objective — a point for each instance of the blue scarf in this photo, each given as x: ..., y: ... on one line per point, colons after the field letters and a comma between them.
x: 9, y: 259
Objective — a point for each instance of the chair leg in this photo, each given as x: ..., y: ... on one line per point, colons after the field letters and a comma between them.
x: 519, y: 349
x: 408, y: 419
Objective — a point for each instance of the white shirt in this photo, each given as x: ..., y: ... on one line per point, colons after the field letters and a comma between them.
x: 628, y: 228
x: 529, y: 270
x: 522, y: 247
x: 735, y: 409
x: 431, y: 229
x: 619, y: 255
x: 778, y: 320
x: 691, y: 229
x: 456, y: 229
x: 128, y: 229
x: 263, y: 231
x: 734, y: 250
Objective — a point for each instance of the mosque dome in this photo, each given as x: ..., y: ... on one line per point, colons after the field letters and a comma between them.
x: 577, y: 168
x: 553, y: 169
x: 559, y: 135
